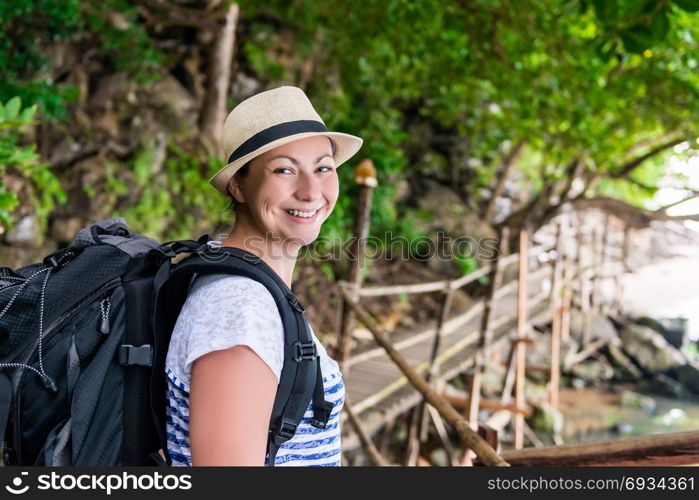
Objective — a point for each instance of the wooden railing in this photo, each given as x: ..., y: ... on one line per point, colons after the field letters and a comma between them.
x: 570, y: 274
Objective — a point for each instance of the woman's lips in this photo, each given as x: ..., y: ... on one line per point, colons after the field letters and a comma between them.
x: 303, y: 220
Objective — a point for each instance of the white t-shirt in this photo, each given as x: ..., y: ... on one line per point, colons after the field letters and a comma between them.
x: 222, y: 311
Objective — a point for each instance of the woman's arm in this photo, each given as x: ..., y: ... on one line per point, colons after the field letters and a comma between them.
x: 231, y: 397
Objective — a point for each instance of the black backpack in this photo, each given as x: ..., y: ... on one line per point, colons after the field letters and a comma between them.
x: 83, y: 340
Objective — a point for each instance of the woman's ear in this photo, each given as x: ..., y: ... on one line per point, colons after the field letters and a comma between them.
x: 234, y: 189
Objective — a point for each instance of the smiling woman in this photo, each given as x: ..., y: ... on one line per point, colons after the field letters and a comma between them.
x: 227, y: 351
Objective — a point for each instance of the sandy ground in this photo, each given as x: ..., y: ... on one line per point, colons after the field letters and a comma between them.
x: 668, y: 288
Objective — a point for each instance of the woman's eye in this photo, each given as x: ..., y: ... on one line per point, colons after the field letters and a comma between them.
x: 281, y: 168
x: 329, y: 169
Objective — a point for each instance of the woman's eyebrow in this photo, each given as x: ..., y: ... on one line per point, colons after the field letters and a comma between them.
x: 295, y: 161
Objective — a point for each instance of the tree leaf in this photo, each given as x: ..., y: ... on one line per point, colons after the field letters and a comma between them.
x: 688, y: 5
x: 12, y: 108
x: 660, y: 25
x: 637, y: 39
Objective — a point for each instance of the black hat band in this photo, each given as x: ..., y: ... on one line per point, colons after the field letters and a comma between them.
x: 276, y: 132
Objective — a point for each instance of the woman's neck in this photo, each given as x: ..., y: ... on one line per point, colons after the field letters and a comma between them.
x: 281, y: 259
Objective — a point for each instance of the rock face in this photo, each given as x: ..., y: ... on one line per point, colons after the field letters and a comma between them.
x: 674, y: 330
x: 25, y: 232
x: 688, y: 376
x: 600, y: 326
x: 624, y: 369
x: 649, y: 349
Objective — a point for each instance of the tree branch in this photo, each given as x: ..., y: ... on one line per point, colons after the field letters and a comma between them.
x: 218, y: 78
x: 502, y: 174
x: 634, y: 216
x: 627, y: 168
x: 695, y: 194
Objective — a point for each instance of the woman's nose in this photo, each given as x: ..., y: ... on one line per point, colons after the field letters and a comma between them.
x: 308, y: 187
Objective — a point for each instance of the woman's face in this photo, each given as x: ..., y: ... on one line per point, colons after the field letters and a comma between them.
x: 298, y: 176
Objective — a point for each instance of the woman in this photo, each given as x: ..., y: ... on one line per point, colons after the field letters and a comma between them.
x: 227, y: 348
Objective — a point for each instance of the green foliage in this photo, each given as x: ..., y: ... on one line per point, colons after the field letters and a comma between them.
x: 27, y: 26
x: 438, y: 89
x: 467, y: 264
x: 115, y: 22
x: 691, y: 349
x: 33, y: 30
x: 172, y: 202
x: 22, y: 161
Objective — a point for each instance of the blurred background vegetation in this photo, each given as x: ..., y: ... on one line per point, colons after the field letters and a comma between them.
x: 513, y: 108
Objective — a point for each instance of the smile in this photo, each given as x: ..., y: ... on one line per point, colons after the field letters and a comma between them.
x: 302, y: 217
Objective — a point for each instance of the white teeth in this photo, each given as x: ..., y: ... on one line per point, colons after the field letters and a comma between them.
x: 298, y: 213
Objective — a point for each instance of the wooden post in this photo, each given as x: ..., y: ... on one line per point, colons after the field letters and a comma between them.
x: 677, y: 448
x: 468, y: 437
x: 554, y: 378
x: 375, y: 456
x: 434, y: 365
x: 624, y: 269
x: 419, y: 422
x: 365, y: 177
x: 484, y: 341
x: 556, y: 285
x: 596, y: 259
x: 603, y: 271
x: 567, y: 298
x: 584, y: 283
x: 521, y: 334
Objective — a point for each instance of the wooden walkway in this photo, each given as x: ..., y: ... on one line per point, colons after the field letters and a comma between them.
x: 378, y: 390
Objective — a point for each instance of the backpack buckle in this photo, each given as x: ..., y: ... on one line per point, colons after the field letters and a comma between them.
x: 321, y: 415
x: 302, y: 352
x: 286, y: 431
x: 132, y: 355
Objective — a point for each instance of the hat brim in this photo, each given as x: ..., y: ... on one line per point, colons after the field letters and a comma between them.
x: 346, y: 146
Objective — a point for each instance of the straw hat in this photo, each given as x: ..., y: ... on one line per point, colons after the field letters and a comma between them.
x: 270, y: 119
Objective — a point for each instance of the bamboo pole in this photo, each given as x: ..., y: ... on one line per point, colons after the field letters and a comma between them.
x: 418, y: 422
x: 568, y: 273
x: 520, y: 347
x: 556, y: 285
x: 596, y: 259
x: 555, y: 374
x: 482, y: 354
x: 386, y: 436
x: 509, y: 382
x: 469, y: 438
x: 679, y: 448
x: 365, y: 177
x: 604, y: 260
x: 624, y: 268
x: 442, y: 433
x: 437, y: 286
x: 464, y: 401
x: 374, y: 454
x: 434, y: 365
x: 583, y: 282
x: 451, y: 326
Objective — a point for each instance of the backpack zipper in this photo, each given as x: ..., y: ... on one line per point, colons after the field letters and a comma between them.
x: 107, y: 287
x: 19, y: 281
x: 104, y: 313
